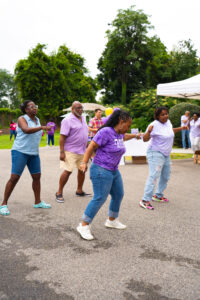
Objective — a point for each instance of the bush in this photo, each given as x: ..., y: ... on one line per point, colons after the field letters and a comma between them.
x: 175, y: 114
x: 7, y: 115
x: 142, y: 107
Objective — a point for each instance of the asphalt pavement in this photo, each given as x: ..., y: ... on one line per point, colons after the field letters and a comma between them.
x: 157, y: 257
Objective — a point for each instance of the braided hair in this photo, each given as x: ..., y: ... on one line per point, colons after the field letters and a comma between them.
x: 24, y: 105
x: 116, y: 117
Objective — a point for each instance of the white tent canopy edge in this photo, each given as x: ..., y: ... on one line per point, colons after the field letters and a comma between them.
x: 188, y: 88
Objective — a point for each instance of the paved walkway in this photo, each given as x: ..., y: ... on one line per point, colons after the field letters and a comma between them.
x: 156, y: 258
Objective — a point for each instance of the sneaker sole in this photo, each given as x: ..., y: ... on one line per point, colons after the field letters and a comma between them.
x: 60, y: 201
x: 159, y: 201
x: 109, y: 226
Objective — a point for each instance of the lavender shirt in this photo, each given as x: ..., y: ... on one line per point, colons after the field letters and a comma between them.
x: 53, y: 128
x: 195, y: 128
x: 162, y: 137
x: 111, y: 148
x: 76, y: 133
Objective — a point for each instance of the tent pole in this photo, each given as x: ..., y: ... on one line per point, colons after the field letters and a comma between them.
x: 156, y: 101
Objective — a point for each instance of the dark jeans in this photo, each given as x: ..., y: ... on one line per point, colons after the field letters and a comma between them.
x: 12, y: 132
x: 50, y: 138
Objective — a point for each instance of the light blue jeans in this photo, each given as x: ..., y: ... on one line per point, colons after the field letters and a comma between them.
x: 159, y: 168
x: 104, y: 182
x: 184, y: 133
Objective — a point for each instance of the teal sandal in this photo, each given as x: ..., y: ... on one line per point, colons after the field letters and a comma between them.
x: 4, y: 210
x: 42, y: 204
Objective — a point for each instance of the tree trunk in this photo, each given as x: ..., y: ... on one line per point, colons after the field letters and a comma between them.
x: 124, y: 92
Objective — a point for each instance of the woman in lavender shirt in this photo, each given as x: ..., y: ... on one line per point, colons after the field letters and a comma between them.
x: 104, y: 173
x: 161, y: 134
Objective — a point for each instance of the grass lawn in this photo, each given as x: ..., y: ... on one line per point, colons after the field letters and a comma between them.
x: 5, y: 142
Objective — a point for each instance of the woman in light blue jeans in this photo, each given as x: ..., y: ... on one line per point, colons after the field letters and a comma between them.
x: 161, y: 134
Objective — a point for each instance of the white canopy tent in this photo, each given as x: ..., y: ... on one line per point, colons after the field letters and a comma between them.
x: 188, y: 88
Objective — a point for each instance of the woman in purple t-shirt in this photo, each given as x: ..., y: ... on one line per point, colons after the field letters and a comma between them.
x: 104, y: 173
x: 161, y: 134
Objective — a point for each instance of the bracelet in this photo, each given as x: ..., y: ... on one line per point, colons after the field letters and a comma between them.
x: 62, y: 151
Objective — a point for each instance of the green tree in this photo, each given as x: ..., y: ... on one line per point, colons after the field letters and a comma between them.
x: 122, y: 60
x: 183, y: 62
x: 54, y: 81
x: 8, y: 90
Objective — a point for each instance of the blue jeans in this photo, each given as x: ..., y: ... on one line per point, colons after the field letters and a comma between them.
x: 13, y: 132
x: 159, y: 168
x: 50, y: 138
x: 185, y: 133
x: 104, y: 182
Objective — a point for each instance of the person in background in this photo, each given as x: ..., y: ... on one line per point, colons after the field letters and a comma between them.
x: 195, y: 132
x: 73, y: 142
x: 25, y: 152
x: 161, y: 135
x: 51, y: 132
x: 104, y: 174
x: 185, y: 120
x: 95, y: 123
x: 13, y: 127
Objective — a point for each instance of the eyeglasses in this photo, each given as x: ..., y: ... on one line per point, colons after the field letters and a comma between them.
x: 79, y: 108
x: 33, y: 106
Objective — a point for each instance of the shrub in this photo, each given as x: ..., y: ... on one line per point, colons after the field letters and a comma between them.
x: 7, y: 115
x: 175, y: 114
x: 142, y: 107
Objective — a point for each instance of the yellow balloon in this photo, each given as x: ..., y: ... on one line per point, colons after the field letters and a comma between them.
x: 108, y: 111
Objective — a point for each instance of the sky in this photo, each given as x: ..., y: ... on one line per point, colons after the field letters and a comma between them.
x: 81, y: 25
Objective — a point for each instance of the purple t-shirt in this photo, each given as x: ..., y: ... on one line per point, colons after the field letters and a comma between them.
x: 111, y: 148
x: 53, y: 128
x: 162, y: 137
x: 76, y: 132
x: 195, y: 128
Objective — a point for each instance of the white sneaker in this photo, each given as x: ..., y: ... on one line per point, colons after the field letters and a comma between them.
x: 114, y: 224
x: 85, y: 232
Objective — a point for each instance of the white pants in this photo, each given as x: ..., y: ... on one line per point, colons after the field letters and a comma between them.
x: 195, y: 143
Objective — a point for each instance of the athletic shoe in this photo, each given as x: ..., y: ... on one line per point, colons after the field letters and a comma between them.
x: 162, y: 199
x: 144, y: 204
x: 114, y: 224
x: 85, y: 232
x: 59, y: 198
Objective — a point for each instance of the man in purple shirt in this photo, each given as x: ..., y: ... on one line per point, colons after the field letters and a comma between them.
x: 73, y: 143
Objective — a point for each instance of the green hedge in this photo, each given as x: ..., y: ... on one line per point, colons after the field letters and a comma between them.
x: 7, y: 115
x: 175, y: 114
